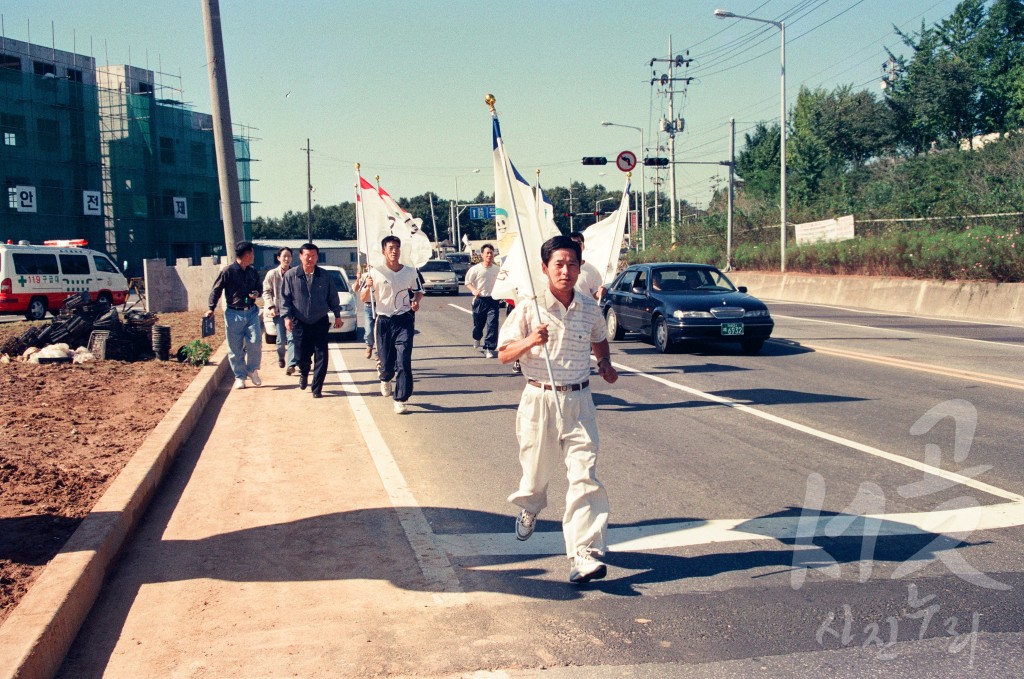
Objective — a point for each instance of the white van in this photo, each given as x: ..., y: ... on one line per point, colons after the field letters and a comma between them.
x: 35, y: 279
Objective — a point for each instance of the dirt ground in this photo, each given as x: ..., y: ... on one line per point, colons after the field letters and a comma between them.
x: 66, y: 431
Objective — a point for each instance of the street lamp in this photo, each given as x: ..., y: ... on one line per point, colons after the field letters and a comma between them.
x: 597, y: 208
x: 781, y: 25
x: 458, y: 222
x: 643, y: 178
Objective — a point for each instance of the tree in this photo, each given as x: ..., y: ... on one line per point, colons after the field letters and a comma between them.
x: 758, y: 163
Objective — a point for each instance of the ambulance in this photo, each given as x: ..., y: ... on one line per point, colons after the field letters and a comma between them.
x: 35, y: 279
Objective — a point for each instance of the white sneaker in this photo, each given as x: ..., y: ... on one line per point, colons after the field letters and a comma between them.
x: 476, y: 344
x: 584, y: 567
x: 488, y: 354
x: 525, y: 523
x: 255, y: 377
x: 239, y: 383
x: 385, y: 388
x: 399, y: 407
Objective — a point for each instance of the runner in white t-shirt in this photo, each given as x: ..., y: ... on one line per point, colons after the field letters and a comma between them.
x: 397, y: 290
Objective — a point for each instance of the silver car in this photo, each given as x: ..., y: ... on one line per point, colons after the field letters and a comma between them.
x: 345, y: 299
x: 437, y: 275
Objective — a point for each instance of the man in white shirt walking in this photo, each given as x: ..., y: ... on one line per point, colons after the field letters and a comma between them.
x: 397, y: 290
x: 480, y: 280
x: 558, y: 422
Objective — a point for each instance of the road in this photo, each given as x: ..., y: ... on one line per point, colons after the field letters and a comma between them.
x: 849, y: 502
x: 711, y: 460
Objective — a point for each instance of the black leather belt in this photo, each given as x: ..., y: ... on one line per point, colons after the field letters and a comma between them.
x: 239, y: 308
x: 566, y: 387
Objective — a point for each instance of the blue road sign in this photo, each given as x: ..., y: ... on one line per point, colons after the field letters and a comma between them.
x: 481, y: 212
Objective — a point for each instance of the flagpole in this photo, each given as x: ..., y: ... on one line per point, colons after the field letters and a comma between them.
x: 490, y: 100
x: 361, y: 222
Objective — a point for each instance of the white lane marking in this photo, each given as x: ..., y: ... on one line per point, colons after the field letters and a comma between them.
x: 430, y: 556
x: 870, y: 450
x: 694, y: 533
x: 463, y: 310
x: 917, y: 333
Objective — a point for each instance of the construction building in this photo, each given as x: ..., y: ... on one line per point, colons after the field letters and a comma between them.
x: 110, y: 155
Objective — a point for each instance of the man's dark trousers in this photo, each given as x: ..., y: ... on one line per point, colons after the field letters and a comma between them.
x: 394, y: 348
x: 311, y: 341
x: 485, y: 321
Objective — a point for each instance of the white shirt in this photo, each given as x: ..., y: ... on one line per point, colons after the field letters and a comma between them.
x: 483, y: 278
x: 394, y: 290
x: 589, y: 280
x: 571, y: 331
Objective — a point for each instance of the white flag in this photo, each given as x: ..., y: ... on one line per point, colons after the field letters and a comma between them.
x: 516, y: 211
x: 374, y: 222
x: 385, y: 217
x: 603, y: 240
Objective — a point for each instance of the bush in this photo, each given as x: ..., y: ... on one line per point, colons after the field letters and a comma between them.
x: 196, y: 352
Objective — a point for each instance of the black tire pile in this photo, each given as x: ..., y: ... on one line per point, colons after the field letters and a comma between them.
x: 96, y: 325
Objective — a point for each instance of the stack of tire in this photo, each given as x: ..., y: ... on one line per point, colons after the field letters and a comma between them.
x: 82, y: 323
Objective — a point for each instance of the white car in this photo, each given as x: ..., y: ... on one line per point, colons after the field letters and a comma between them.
x: 348, y: 309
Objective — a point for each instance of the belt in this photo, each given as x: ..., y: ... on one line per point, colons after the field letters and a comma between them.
x: 239, y: 308
x: 565, y: 387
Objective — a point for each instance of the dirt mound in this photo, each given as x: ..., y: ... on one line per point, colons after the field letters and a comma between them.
x: 66, y: 431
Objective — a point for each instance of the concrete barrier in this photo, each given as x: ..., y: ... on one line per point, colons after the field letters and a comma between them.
x: 182, y: 287
x: 968, y: 300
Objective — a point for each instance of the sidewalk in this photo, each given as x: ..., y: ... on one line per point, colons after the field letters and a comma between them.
x: 271, y: 533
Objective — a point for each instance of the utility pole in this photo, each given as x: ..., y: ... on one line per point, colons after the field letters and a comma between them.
x: 672, y: 125
x: 223, y: 138
x: 732, y: 174
x: 571, y: 229
x: 309, y: 197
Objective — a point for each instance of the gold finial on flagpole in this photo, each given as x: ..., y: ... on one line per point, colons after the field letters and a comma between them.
x: 376, y: 178
x: 628, y: 175
x: 357, y: 167
x: 489, y: 100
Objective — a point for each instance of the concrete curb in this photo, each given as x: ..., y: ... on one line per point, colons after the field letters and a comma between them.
x: 964, y: 300
x: 38, y: 633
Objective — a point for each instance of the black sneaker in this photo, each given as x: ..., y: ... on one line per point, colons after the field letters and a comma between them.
x: 280, y: 363
x: 302, y: 381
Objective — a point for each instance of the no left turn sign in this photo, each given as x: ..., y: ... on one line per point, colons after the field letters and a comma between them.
x: 626, y: 161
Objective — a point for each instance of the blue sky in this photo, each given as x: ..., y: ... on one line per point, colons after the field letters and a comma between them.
x: 399, y: 86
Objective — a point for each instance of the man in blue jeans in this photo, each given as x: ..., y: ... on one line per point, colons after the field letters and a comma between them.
x: 241, y: 286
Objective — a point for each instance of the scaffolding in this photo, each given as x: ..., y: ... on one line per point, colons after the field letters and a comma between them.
x: 121, y: 134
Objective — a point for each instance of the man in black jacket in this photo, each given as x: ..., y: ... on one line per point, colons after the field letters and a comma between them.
x: 241, y: 286
x: 308, y: 293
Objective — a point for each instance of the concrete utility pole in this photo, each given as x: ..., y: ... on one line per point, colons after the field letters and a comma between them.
x: 223, y: 138
x: 309, y: 196
x: 672, y: 125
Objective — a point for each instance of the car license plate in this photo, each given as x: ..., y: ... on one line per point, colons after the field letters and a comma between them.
x: 732, y: 329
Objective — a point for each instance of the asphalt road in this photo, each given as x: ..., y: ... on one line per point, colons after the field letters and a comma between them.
x: 847, y: 502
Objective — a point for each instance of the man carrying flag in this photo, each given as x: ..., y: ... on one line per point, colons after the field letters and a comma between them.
x: 397, y: 291
x: 558, y: 421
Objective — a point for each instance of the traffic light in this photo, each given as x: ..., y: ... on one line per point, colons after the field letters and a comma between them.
x: 656, y: 162
x: 595, y: 160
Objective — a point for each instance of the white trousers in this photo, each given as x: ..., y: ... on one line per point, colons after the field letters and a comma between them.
x: 544, y: 441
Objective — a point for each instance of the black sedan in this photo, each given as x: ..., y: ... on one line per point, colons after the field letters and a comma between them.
x: 674, y: 302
